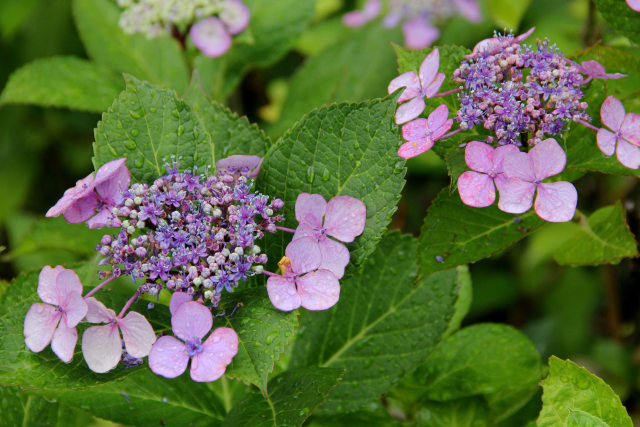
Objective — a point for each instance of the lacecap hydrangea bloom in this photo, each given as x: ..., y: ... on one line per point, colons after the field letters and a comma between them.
x: 210, y: 23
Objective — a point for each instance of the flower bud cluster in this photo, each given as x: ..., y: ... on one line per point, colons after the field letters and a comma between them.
x: 190, y: 233
x: 521, y: 94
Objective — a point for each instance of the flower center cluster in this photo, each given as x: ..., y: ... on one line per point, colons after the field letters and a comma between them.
x: 193, y: 347
x: 519, y: 93
x: 190, y: 233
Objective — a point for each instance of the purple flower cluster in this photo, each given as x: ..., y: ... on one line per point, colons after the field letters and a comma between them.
x: 191, y: 233
x: 520, y: 93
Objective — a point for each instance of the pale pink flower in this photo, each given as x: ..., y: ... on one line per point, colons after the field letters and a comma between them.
x: 211, y: 36
x: 477, y: 187
x: 55, y: 320
x: 470, y: 9
x: 235, y: 16
x: 595, y: 70
x: 358, y: 18
x: 422, y: 133
x: 426, y: 83
x: 343, y: 218
x: 239, y: 163
x: 102, y: 345
x: 209, y: 359
x: 624, y: 137
x: 419, y: 33
x: 634, y: 4
x: 555, y: 201
x: 303, y: 283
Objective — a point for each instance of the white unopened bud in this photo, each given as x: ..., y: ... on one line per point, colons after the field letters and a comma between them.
x: 137, y: 200
x: 208, y: 294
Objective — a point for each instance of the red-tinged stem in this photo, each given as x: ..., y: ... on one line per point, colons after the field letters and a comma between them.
x: 128, y: 304
x: 97, y: 288
x: 270, y: 274
x: 290, y: 230
x: 438, y: 95
x: 586, y: 124
x: 453, y: 132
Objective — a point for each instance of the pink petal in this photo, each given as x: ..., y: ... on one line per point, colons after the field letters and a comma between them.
x: 438, y: 118
x: 191, y: 321
x: 592, y: 68
x: 628, y: 154
x: 484, y: 45
x: 67, y: 283
x: 211, y: 37
x: 439, y: 132
x: 415, y: 148
x: 516, y: 196
x: 499, y: 153
x: 415, y: 129
x: 217, y: 352
x: 548, y: 159
x: 556, y: 201
x: 612, y: 113
x: 634, y: 4
x: 355, y: 18
x: 177, y: 299
x: 522, y: 37
x: 82, y: 209
x: 410, y: 81
x: 64, y: 342
x: 518, y: 165
x: 419, y: 33
x: 235, y: 15
x: 47, y: 289
x: 434, y: 86
x: 102, y: 347
x: 137, y: 334
x: 40, y: 325
x: 630, y: 128
x: 282, y: 293
x: 112, y: 179
x: 75, y: 308
x: 429, y: 68
x: 97, y: 312
x: 304, y: 254
x: 606, y: 141
x: 469, y: 9
x: 241, y: 163
x: 168, y: 357
x: 100, y: 219
x: 318, y: 290
x: 476, y: 189
x: 310, y: 208
x: 83, y: 188
x: 479, y: 156
x: 304, y: 230
x: 335, y: 256
x: 345, y: 218
x: 410, y: 110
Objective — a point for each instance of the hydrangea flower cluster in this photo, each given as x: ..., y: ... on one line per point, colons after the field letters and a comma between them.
x: 210, y: 23
x: 417, y: 17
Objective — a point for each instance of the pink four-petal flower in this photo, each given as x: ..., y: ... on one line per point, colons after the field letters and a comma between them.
x: 304, y: 283
x: 55, y: 320
x: 477, y: 187
x: 418, y: 86
x: 422, y: 133
x: 624, y: 137
x: 419, y: 33
x: 358, y: 18
x: 555, y: 201
x: 209, y: 359
x: 211, y: 37
x: 102, y: 345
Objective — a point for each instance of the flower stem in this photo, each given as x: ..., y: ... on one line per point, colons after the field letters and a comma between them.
x: 453, y: 132
x: 586, y: 124
x: 97, y: 288
x: 128, y: 304
x: 438, y: 95
x: 290, y: 230
x: 270, y: 274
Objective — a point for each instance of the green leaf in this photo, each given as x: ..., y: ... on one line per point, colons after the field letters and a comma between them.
x: 62, y: 82
x: 378, y: 332
x: 158, y: 60
x: 454, y: 233
x: 579, y: 418
x: 130, y: 396
x: 602, y: 239
x: 148, y: 125
x: 14, y: 14
x: 228, y: 133
x: 570, y: 387
x: 341, y: 149
x: 275, y: 26
x: 463, y: 303
x: 467, y: 412
x: 506, y: 13
x: 263, y: 333
x: 344, y: 68
x: 621, y: 16
x: 293, y: 396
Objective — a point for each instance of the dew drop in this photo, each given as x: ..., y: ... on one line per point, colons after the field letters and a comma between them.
x: 180, y: 130
x: 139, y: 162
x: 130, y: 144
x: 176, y: 114
x: 310, y: 174
x: 358, y: 163
x: 152, y: 109
x: 134, y: 132
x: 350, y: 156
x: 135, y: 114
x: 325, y: 174
x: 356, y: 145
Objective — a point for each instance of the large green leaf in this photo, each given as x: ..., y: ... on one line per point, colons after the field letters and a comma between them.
x: 454, y: 233
x: 292, y: 397
x: 383, y: 326
x: 341, y: 72
x: 62, y: 82
x: 570, y: 388
x: 603, y: 238
x: 621, y: 16
x: 229, y: 134
x: 263, y: 333
x: 341, y: 149
x: 148, y: 125
x: 274, y: 28
x: 507, y: 14
x: 158, y: 60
